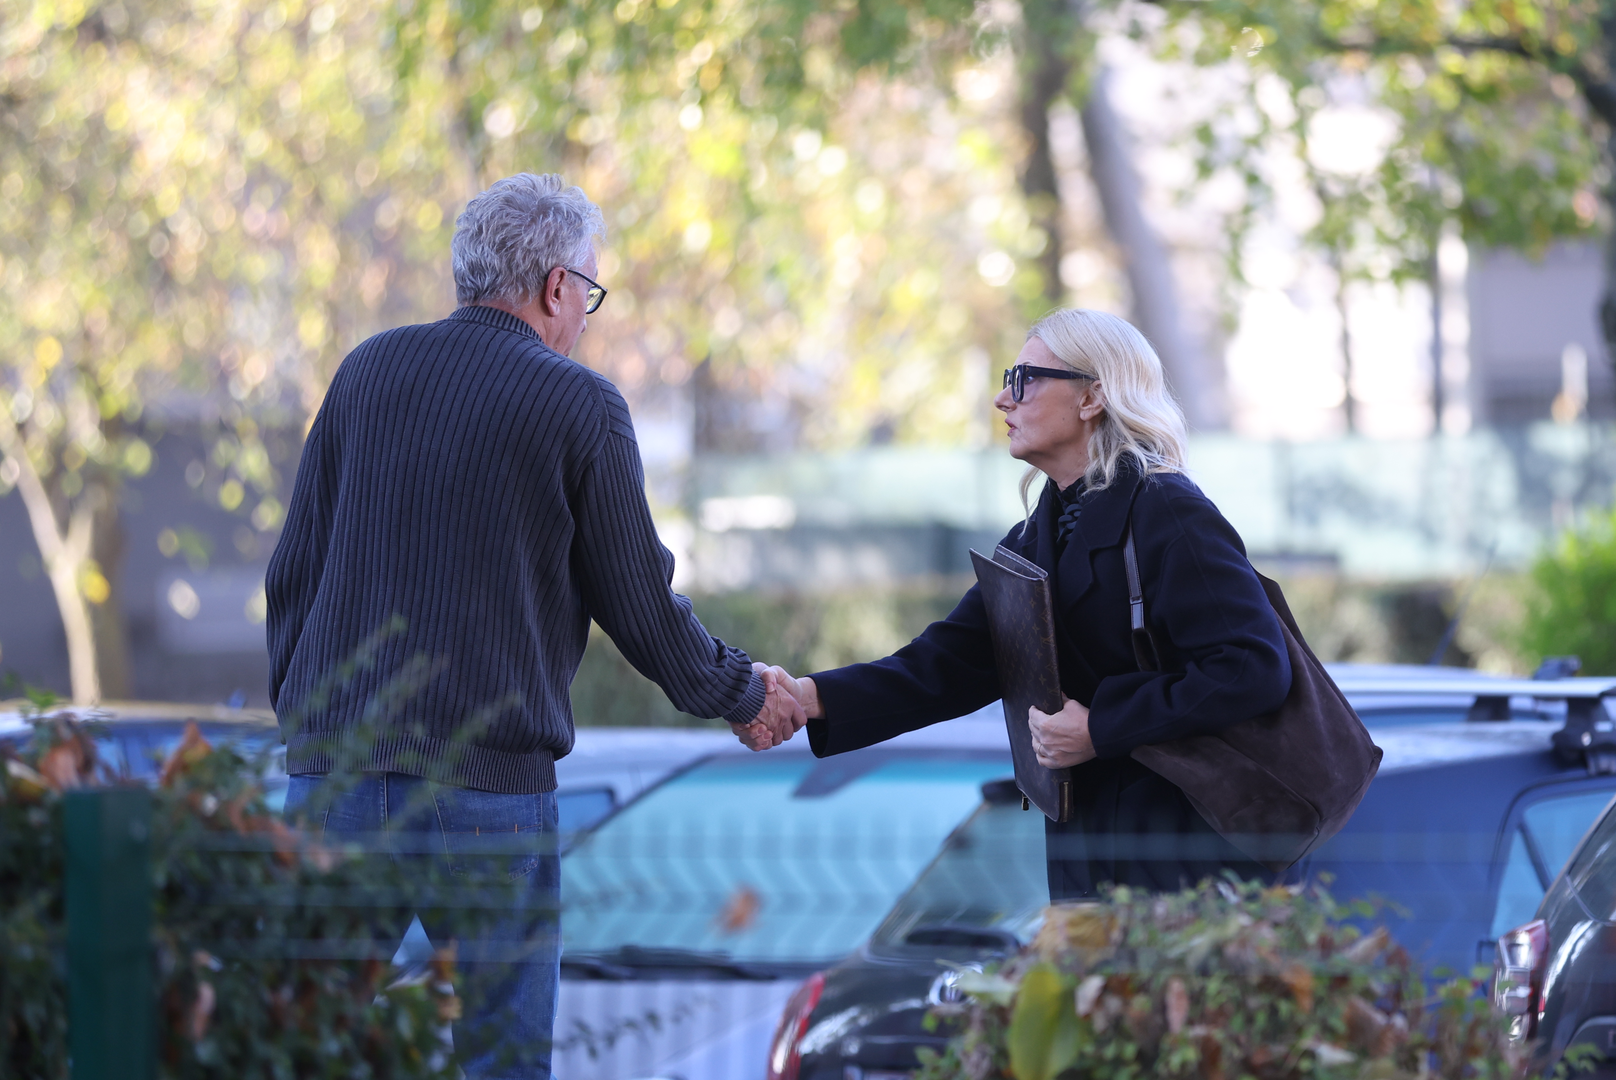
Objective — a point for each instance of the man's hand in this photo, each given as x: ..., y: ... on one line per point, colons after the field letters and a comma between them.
x: 804, y: 690
x: 1062, y: 739
x: 780, y: 718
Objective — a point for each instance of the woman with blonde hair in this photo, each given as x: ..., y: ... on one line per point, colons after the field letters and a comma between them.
x: 1086, y: 406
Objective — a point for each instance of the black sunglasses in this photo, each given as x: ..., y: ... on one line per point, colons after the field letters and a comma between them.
x: 597, y: 291
x: 1016, y: 377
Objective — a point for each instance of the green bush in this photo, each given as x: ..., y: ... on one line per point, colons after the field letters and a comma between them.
x: 1225, y: 981
x: 265, y: 955
x: 1571, y: 609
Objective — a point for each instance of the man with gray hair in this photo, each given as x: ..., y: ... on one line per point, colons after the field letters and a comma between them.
x: 467, y: 501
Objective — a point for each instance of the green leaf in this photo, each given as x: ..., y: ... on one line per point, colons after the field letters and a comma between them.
x: 1044, y: 1034
x: 992, y: 988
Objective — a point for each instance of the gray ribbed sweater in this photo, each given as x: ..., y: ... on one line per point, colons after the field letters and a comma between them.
x: 467, y: 501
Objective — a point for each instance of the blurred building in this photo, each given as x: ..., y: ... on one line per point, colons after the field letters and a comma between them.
x: 1534, y: 342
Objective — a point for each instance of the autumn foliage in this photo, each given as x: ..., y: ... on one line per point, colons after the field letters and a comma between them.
x: 1222, y: 982
x: 266, y: 950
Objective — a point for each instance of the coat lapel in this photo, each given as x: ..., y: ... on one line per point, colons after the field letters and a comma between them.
x: 1045, y: 517
x: 1100, y: 526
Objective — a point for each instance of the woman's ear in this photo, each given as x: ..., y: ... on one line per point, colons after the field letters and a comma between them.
x: 1092, y: 403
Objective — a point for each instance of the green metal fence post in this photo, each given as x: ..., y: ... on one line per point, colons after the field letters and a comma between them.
x: 112, y: 1021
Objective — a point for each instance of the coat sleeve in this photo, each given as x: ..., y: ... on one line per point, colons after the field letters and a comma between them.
x: 946, y: 672
x: 625, y: 574
x: 1221, y: 641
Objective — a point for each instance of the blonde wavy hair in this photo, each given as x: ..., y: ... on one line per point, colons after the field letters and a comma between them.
x: 1141, y: 420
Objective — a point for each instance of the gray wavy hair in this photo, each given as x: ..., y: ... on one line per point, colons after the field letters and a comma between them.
x: 509, y: 238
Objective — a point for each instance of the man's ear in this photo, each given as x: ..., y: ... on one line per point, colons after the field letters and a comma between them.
x: 550, y: 296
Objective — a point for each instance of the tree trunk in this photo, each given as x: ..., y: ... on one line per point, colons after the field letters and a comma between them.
x: 64, y: 551
x: 1439, y: 397
x: 1045, y: 77
x: 1349, y: 405
x: 1607, y: 300
x: 108, y: 628
x: 1156, y: 308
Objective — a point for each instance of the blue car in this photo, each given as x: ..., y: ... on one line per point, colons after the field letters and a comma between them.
x: 1484, y: 791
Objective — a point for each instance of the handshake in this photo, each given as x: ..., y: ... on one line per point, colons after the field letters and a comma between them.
x: 788, y: 704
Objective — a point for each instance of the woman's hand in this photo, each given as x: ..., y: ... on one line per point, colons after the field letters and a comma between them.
x: 803, y: 690
x: 1061, y: 740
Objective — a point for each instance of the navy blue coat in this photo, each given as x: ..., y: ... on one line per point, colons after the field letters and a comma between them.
x: 1223, y: 660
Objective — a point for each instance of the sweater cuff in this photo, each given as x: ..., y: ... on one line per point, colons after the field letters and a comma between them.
x: 751, y: 703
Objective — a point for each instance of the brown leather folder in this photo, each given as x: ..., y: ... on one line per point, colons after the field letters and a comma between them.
x: 1022, y: 624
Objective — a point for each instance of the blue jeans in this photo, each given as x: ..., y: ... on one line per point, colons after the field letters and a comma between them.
x: 509, y: 970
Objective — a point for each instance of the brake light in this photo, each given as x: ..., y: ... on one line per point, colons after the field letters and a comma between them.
x: 785, y: 1057
x: 1523, y: 955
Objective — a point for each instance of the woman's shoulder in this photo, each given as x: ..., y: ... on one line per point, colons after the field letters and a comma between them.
x: 1172, y: 498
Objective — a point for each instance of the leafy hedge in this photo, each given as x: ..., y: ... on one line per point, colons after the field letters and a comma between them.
x: 266, y: 956
x: 1225, y: 982
x: 1571, y: 609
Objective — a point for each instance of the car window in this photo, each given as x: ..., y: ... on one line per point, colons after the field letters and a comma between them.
x: 1593, y: 870
x: 774, y: 857
x: 991, y: 874
x: 581, y: 808
x: 1539, y: 845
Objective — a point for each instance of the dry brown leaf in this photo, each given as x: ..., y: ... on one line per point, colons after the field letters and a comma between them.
x: 1088, y: 993
x: 192, y: 749
x: 1177, y: 1004
x: 1086, y: 927
x: 25, y: 781
x: 69, y: 764
x: 1372, y: 1031
x: 201, y: 1011
x: 443, y: 963
x: 740, y: 911
x: 280, y: 837
x: 1300, y: 981
x: 1368, y: 947
x: 320, y: 857
x: 1211, y: 1057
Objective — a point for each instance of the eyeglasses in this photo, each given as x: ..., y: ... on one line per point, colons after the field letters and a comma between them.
x: 597, y: 291
x: 1016, y: 377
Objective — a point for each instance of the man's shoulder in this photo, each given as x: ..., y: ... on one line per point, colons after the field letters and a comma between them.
x: 612, y: 401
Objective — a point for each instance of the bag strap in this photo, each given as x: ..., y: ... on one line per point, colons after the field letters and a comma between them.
x: 1144, y: 645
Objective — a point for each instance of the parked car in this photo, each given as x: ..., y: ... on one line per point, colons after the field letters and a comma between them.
x: 1555, y: 975
x: 690, y: 914
x: 1461, y: 833
x: 608, y: 766
x: 133, y: 739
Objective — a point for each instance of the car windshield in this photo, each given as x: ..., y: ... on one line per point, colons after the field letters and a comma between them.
x: 774, y: 858
x: 988, y: 883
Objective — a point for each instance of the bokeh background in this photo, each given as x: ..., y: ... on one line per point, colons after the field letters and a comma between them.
x: 1368, y: 240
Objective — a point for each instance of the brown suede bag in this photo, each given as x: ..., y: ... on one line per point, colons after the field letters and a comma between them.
x: 1278, y: 785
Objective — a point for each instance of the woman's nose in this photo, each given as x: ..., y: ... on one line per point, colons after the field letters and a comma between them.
x: 1004, y: 401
